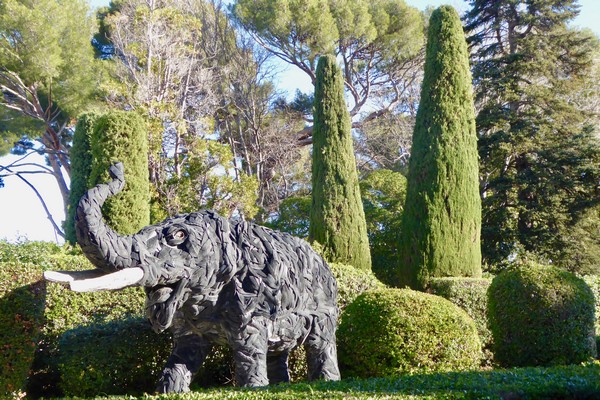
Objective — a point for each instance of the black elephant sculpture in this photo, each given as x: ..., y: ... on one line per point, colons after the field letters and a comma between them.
x: 211, y: 280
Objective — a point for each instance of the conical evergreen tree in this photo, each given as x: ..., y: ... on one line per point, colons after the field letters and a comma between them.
x: 121, y: 136
x: 337, y: 219
x: 81, y: 167
x: 441, y: 223
x: 539, y: 154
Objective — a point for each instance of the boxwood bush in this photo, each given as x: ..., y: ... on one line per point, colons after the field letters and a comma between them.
x: 540, y: 316
x: 392, y: 331
x: 21, y: 318
x: 470, y: 294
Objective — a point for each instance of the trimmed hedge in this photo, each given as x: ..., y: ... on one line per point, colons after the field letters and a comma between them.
x: 352, y: 282
x: 123, y: 356
x: 393, y: 331
x: 541, y: 316
x: 21, y: 318
x: 470, y: 294
x: 573, y: 382
x: 593, y: 282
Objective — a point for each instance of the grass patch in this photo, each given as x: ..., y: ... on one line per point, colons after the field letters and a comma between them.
x: 568, y: 382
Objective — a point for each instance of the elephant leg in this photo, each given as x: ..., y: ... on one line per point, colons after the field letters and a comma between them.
x: 321, y: 351
x: 250, y: 355
x: 188, y: 354
x: 277, y: 367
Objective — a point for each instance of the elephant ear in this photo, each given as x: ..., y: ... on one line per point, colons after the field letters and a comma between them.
x: 96, y: 279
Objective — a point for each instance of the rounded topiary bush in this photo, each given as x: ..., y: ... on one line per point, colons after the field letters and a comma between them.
x: 392, y: 331
x: 540, y: 316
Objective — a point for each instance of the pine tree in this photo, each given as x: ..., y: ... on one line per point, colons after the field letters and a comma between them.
x: 121, y: 136
x: 540, y: 161
x: 81, y: 167
x: 337, y: 219
x: 442, y: 215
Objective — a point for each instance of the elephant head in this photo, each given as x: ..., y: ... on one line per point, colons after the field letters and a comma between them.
x: 121, y: 260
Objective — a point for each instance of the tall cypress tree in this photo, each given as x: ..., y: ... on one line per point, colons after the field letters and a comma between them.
x: 121, y: 136
x: 442, y: 215
x: 337, y: 219
x: 81, y: 167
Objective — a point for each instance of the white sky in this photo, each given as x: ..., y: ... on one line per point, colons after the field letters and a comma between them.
x: 23, y: 217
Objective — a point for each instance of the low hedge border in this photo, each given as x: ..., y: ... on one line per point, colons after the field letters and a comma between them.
x: 573, y: 382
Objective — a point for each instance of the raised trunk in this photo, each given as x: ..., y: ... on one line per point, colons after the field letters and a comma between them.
x: 104, y: 247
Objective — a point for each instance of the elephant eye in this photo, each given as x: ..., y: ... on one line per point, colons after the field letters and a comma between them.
x: 176, y: 235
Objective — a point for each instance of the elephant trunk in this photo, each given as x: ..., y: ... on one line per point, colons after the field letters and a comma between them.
x: 104, y: 247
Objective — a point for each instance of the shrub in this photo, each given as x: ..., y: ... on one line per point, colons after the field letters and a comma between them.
x: 66, y: 310
x: 352, y: 282
x: 541, y: 316
x: 38, y: 253
x: 470, y: 294
x: 21, y: 317
x: 85, y: 334
x: 593, y: 282
x: 123, y: 356
x: 391, y: 331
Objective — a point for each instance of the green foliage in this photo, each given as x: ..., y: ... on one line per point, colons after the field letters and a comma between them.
x: 81, y: 168
x: 38, y: 253
x: 207, y: 182
x: 470, y: 294
x: 352, y: 282
x: 21, y: 317
x: 581, y: 250
x: 375, y: 38
x: 383, y: 195
x: 574, y: 382
x: 46, y: 43
x: 337, y: 219
x: 280, y: 20
x: 593, y: 281
x: 442, y: 217
x: 393, y: 331
x: 540, y: 160
x: 541, y: 316
x: 293, y: 216
x: 120, y: 136
x: 123, y: 356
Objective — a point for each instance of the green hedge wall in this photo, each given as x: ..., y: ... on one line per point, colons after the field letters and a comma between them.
x: 470, y: 294
x: 21, y: 318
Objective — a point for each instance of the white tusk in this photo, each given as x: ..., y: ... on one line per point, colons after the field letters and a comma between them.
x: 96, y: 279
x: 70, y: 276
x: 113, y: 281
